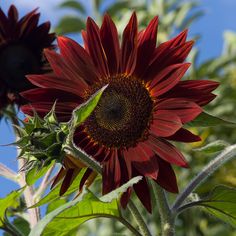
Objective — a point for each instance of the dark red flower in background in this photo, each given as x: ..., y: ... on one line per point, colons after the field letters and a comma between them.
x: 143, y: 108
x: 21, y: 44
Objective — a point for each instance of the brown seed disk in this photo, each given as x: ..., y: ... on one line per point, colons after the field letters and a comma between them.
x: 122, y: 116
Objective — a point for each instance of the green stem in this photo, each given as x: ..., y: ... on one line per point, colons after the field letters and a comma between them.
x: 129, y: 226
x: 139, y: 219
x: 71, y: 149
x: 208, y: 170
x: 167, y: 219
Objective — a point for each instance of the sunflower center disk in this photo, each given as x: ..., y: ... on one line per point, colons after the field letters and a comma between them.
x: 16, y: 61
x: 122, y: 115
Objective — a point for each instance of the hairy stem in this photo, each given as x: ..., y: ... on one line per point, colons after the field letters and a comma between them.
x: 167, y: 219
x: 208, y: 170
x: 139, y: 219
x: 77, y: 153
x: 129, y: 226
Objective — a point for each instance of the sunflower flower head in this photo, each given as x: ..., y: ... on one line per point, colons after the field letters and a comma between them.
x: 21, y: 44
x: 143, y: 109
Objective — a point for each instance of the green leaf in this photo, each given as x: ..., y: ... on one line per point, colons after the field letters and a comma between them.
x: 35, y: 173
x: 22, y: 226
x: 70, y: 219
x: 70, y: 24
x: 38, y: 229
x: 81, y: 113
x: 115, y: 194
x: 54, y: 193
x: 74, y: 5
x: 213, y: 147
x: 55, y: 204
x: 11, y: 200
x: 221, y: 203
x: 207, y: 120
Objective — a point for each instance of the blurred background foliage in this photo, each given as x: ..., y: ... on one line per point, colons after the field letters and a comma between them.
x: 175, y: 16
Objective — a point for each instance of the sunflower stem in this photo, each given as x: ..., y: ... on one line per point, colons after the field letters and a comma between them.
x: 71, y: 149
x: 208, y: 170
x: 34, y: 213
x: 139, y: 219
x: 167, y: 219
x: 129, y: 226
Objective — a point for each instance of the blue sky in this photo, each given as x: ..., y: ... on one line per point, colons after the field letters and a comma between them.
x: 219, y: 16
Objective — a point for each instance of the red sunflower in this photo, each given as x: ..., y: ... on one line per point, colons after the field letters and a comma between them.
x: 143, y: 108
x: 21, y: 44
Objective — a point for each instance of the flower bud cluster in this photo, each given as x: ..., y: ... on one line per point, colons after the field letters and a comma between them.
x: 41, y: 140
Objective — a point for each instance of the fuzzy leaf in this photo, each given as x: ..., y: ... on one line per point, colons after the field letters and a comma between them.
x: 71, y: 218
x: 81, y: 113
x: 207, y: 120
x: 221, y: 203
x: 39, y: 228
x: 213, y: 147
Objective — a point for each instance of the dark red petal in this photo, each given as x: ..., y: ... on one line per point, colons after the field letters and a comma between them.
x: 60, y: 175
x: 110, y: 43
x: 184, y: 135
x: 143, y: 193
x: 69, y: 177
x: 166, y: 178
x: 41, y: 36
x: 167, y: 79
x: 172, y: 43
x: 52, y: 81
x: 13, y: 13
x: 126, y: 176
x: 85, y: 39
x: 198, y: 91
x: 61, y: 69
x: 167, y: 151
x: 86, y: 175
x: 3, y: 22
x: 49, y: 95
x: 78, y: 59
x: 143, y: 160
x: 129, y: 46
x: 125, y: 197
x: 165, y: 124
x: 186, y: 110
x: 32, y: 23
x: 146, y: 46
x: 165, y: 55
x: 95, y: 48
x: 127, y: 156
x: 111, y: 173
x: 179, y: 39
